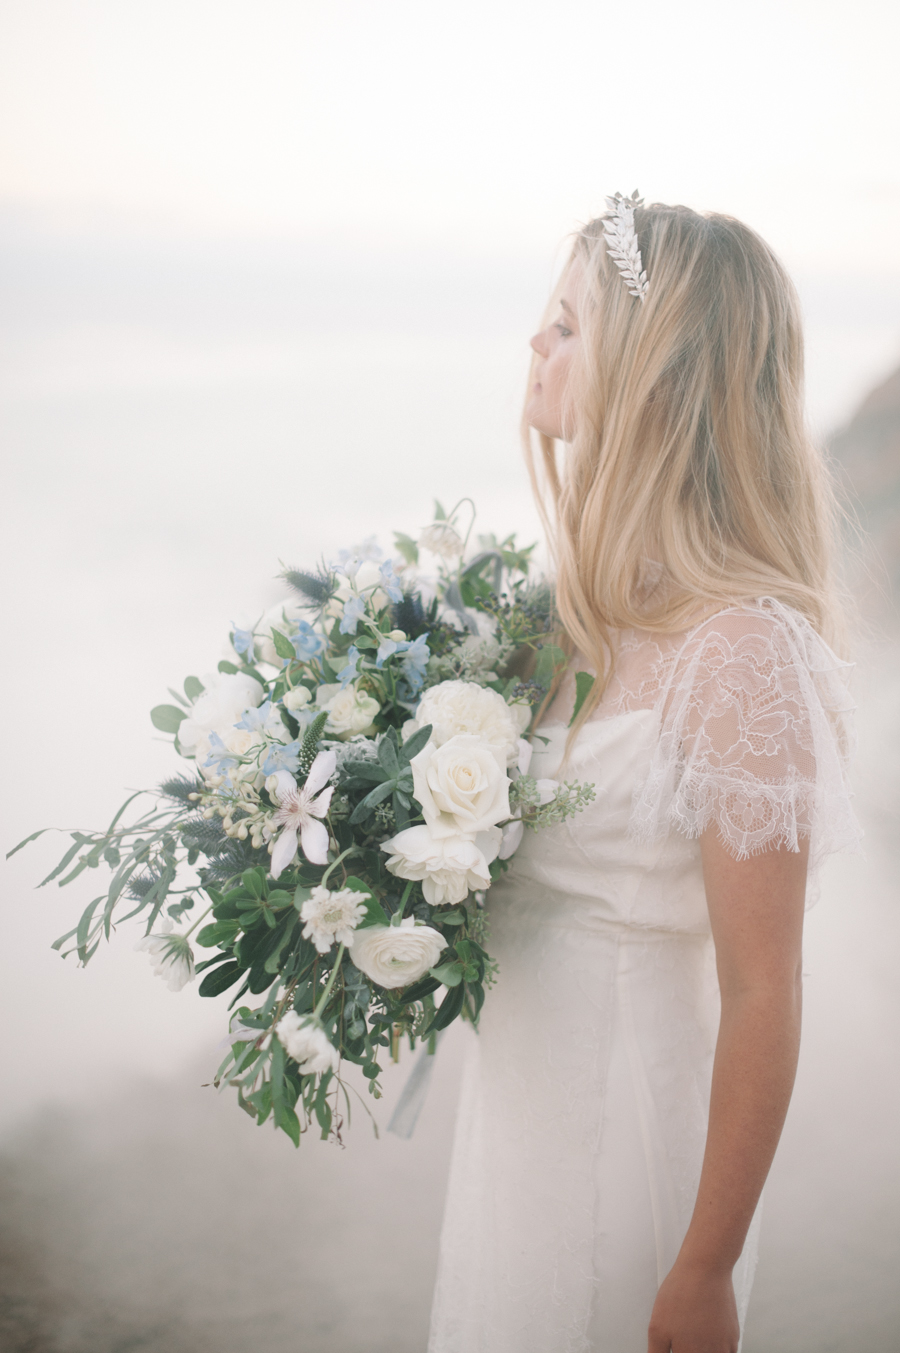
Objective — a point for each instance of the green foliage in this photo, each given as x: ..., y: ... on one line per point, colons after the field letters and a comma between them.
x: 310, y: 745
x: 167, y: 717
x: 584, y: 684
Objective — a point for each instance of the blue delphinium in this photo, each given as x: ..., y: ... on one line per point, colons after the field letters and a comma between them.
x: 242, y: 641
x: 354, y: 610
x: 307, y: 643
x: 282, y: 757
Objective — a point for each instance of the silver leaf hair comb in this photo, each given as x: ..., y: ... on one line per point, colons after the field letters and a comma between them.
x: 622, y: 242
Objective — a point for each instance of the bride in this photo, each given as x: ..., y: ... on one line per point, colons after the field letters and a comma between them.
x: 624, y: 1098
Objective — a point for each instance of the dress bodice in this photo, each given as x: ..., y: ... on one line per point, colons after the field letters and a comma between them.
x: 605, y: 872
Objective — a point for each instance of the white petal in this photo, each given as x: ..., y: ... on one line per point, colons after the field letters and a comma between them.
x: 489, y: 843
x: 320, y: 805
x: 284, y: 782
x: 512, y: 839
x: 546, y: 789
x: 526, y: 752
x: 284, y: 852
x: 314, y: 841
x: 320, y: 772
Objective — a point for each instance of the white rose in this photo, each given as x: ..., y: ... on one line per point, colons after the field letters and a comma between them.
x: 442, y: 539
x: 217, y: 710
x: 395, y: 955
x: 449, y: 867
x: 462, y: 786
x: 307, y: 1043
x: 454, y: 707
x: 282, y: 616
x: 349, y: 711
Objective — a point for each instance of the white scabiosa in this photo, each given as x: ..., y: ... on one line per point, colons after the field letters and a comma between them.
x: 171, y: 956
x: 307, y: 1043
x: 395, y: 955
x: 331, y: 917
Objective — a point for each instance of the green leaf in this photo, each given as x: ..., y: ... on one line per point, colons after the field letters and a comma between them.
x: 219, y: 933
x: 283, y: 646
x: 419, y: 990
x: 253, y: 882
x: 584, y: 684
x: 407, y: 547
x: 289, y: 1122
x: 550, y: 658
x: 193, y: 687
x: 439, y: 513
x: 448, y: 973
x: 375, y: 913
x: 448, y: 1009
x: 220, y: 979
x: 373, y: 798
x: 167, y: 718
x: 70, y: 854
x: 33, y: 837
x: 413, y: 745
x: 228, y: 668
x: 450, y: 918
x: 387, y: 753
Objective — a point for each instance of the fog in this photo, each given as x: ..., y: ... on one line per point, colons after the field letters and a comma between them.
x: 267, y: 276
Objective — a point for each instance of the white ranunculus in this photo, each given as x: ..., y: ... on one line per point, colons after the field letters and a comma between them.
x: 350, y: 711
x: 395, y: 955
x: 449, y: 866
x: 282, y: 616
x: 442, y: 539
x: 307, y: 1043
x: 170, y: 955
x: 462, y: 786
x: 217, y: 710
x: 454, y: 707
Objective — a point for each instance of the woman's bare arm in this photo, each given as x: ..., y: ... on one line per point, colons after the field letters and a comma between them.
x: 756, y: 910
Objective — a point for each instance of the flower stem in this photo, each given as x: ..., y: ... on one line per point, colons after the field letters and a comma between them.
x: 334, y: 864
x: 197, y: 922
x: 398, y: 914
x: 323, y: 999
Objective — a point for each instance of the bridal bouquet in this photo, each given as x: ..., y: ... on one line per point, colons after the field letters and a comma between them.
x: 357, y: 778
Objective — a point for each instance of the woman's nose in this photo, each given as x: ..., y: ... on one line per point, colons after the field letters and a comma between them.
x: 539, y: 343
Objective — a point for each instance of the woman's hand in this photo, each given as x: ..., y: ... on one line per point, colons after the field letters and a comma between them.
x: 694, y: 1312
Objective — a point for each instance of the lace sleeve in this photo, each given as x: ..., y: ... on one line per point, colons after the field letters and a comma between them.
x: 755, y: 737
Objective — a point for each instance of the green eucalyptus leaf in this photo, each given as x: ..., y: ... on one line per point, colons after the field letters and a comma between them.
x: 193, y: 687
x: 167, y: 718
x: 450, y: 974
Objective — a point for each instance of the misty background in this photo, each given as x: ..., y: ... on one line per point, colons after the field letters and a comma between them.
x: 267, y: 277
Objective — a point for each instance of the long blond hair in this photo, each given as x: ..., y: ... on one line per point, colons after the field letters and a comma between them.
x: 689, y: 444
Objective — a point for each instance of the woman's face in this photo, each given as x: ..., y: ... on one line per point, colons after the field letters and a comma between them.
x: 547, y: 409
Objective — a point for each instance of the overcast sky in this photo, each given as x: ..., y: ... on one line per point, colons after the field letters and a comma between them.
x: 479, y: 124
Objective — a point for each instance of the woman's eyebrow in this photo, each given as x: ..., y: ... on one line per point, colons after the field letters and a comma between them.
x: 565, y: 305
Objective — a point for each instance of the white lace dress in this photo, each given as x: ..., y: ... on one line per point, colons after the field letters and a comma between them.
x: 584, y: 1107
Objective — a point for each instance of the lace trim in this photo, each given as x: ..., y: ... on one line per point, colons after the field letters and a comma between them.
x: 756, y: 732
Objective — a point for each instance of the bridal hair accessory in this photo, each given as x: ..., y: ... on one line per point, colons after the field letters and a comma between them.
x: 622, y: 243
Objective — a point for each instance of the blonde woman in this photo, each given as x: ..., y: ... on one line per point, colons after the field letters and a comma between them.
x: 624, y: 1099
